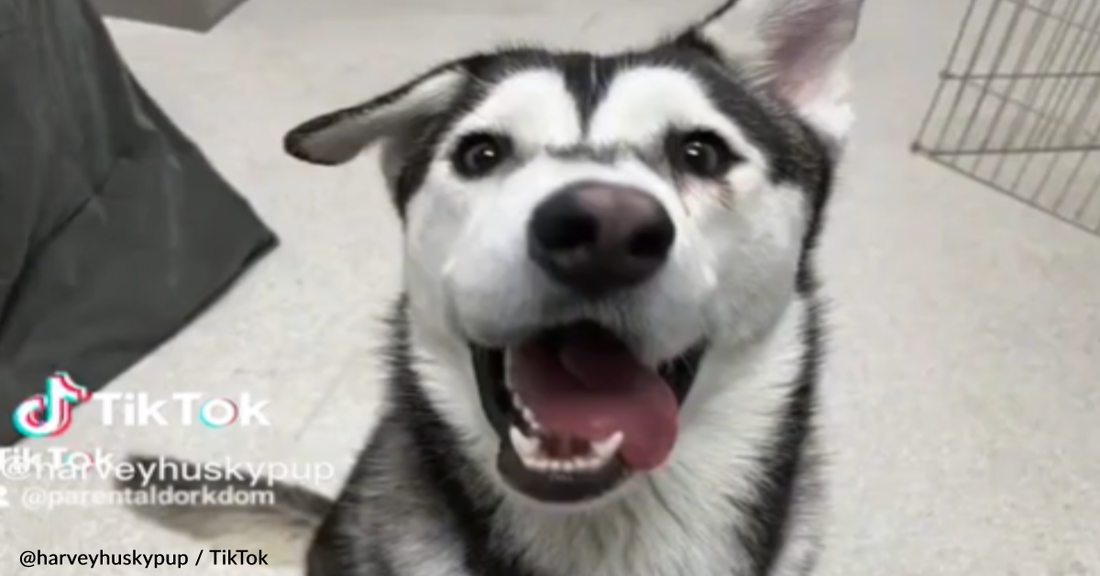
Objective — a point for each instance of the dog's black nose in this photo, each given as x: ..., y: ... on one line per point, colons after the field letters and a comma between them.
x: 595, y: 237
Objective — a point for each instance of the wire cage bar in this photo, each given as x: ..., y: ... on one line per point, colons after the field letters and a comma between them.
x: 1018, y: 105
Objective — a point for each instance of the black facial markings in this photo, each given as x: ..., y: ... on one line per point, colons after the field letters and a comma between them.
x: 796, y: 155
x: 421, y: 142
x: 587, y: 78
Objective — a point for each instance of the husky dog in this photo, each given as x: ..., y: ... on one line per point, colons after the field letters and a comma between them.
x: 606, y: 357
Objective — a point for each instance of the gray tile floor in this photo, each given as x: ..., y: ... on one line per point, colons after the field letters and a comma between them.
x: 964, y: 388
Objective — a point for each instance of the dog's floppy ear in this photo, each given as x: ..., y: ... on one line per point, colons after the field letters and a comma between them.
x: 793, y: 47
x: 339, y: 136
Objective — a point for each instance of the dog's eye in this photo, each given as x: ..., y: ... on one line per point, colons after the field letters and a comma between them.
x: 702, y: 154
x: 478, y: 154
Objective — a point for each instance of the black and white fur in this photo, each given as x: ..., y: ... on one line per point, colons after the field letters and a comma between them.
x: 740, y: 495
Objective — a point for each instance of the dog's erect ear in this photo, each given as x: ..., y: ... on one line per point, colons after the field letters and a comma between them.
x: 794, y: 47
x: 339, y: 136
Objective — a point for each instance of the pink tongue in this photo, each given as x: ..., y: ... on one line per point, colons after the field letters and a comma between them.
x: 591, y: 388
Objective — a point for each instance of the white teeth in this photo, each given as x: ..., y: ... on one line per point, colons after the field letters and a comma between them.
x: 528, y: 415
x: 531, y: 454
x: 605, y: 449
x: 527, y: 448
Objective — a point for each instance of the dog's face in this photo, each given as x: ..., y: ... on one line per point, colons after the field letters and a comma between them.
x: 580, y: 227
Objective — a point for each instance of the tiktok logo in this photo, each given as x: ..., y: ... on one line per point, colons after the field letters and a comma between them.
x: 50, y: 414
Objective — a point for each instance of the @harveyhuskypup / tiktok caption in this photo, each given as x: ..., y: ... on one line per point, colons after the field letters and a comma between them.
x: 103, y: 558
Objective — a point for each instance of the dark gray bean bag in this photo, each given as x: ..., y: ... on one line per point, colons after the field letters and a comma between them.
x: 114, y: 229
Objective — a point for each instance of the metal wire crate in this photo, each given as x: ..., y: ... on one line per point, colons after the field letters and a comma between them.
x: 1017, y: 105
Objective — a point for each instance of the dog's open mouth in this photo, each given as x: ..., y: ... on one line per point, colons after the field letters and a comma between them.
x: 577, y: 412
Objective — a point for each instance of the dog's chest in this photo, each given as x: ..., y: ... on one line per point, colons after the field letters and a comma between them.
x: 644, y: 540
